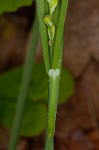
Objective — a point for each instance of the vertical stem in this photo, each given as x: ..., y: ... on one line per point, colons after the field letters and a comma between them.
x: 41, y: 6
x: 52, y: 109
x: 52, y: 58
x: 59, y: 33
x: 51, y: 55
x: 24, y: 88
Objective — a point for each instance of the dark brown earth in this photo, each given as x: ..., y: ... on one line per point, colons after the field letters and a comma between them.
x: 77, y: 126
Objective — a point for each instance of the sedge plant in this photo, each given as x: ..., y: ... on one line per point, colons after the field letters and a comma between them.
x: 51, y: 18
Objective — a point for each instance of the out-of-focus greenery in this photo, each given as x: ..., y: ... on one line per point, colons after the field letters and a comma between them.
x: 13, y: 5
x: 34, y: 120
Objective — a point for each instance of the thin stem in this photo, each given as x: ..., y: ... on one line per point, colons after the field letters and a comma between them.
x: 41, y: 7
x: 61, y: 53
x: 24, y: 88
x: 51, y: 54
x: 54, y: 82
x: 59, y: 34
x: 52, y: 59
x: 52, y: 109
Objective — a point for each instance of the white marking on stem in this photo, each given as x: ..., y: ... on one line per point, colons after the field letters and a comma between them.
x: 54, y: 73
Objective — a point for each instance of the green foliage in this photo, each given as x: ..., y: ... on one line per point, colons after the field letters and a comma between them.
x: 13, y: 5
x: 34, y: 119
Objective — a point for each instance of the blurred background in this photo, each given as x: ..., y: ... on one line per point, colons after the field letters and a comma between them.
x: 77, y: 125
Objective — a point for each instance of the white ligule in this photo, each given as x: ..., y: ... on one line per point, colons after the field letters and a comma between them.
x: 54, y: 73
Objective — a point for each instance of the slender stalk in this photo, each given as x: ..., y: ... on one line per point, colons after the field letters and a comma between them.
x: 41, y: 7
x: 61, y: 53
x: 52, y: 109
x: 24, y: 87
x: 54, y: 82
x: 59, y: 34
x: 53, y: 56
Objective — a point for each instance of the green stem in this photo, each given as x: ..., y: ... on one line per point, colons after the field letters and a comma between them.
x: 59, y: 34
x: 24, y: 88
x: 52, y: 108
x: 51, y: 55
x: 61, y: 53
x: 41, y: 6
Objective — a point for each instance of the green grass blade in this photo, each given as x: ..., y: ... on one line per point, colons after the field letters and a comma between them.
x: 24, y: 87
x: 59, y: 34
x: 54, y: 82
x: 41, y: 11
x: 52, y: 109
x: 49, y: 143
x: 61, y: 53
